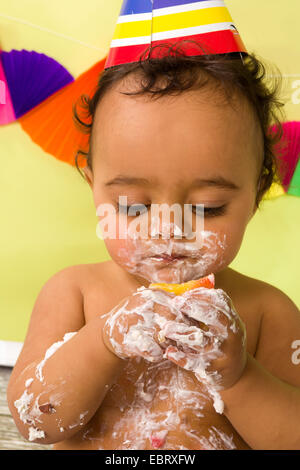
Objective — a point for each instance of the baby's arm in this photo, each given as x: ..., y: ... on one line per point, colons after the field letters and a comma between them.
x: 264, y: 405
x: 51, y: 400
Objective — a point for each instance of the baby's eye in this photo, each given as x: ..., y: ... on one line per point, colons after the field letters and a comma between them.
x: 134, y: 210
x: 138, y: 209
x: 209, y: 211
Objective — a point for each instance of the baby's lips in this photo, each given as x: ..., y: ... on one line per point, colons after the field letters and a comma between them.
x: 179, y: 289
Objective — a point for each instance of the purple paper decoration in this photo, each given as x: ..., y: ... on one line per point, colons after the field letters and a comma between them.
x: 31, y: 78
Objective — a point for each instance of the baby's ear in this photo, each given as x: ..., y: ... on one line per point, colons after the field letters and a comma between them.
x: 88, y: 175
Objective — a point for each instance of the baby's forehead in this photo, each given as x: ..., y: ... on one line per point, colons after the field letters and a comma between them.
x: 175, y: 138
x: 147, y: 118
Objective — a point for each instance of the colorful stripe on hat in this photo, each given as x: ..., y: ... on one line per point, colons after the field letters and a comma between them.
x: 145, y: 23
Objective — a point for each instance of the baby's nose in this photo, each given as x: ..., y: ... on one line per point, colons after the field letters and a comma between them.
x: 167, y: 224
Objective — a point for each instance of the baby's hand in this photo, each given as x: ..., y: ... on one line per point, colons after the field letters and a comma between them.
x: 133, y: 326
x: 215, y: 349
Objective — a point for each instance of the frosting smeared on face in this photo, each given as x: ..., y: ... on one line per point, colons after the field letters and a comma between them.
x: 143, y: 257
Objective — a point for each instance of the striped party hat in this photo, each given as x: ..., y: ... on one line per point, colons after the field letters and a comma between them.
x: 144, y: 23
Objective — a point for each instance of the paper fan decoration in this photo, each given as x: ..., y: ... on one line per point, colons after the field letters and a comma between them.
x: 40, y: 93
x: 288, y: 152
x: 51, y: 125
x: 29, y: 78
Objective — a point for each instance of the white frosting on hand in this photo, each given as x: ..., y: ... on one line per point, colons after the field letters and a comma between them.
x: 196, y: 348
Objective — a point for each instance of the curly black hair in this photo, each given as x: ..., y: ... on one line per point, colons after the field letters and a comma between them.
x: 231, y: 72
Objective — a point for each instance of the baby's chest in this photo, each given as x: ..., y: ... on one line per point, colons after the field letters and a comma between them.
x: 159, y: 387
x: 154, y: 406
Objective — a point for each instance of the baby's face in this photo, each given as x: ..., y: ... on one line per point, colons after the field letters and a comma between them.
x: 193, y: 148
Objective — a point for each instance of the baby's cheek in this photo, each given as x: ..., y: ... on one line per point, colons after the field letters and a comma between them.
x: 123, y: 252
x: 234, y: 238
x: 213, y: 253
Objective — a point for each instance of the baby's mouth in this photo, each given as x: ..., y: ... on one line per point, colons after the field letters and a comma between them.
x: 167, y: 258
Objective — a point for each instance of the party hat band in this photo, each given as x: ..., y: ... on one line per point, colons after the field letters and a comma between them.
x: 144, y: 23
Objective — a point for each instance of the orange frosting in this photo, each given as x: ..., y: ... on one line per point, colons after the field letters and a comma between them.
x: 178, y: 289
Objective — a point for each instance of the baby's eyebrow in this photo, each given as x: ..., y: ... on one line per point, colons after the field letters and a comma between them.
x: 128, y: 181
x: 218, y: 181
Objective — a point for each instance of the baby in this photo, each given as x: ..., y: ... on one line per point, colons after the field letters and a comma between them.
x: 111, y: 363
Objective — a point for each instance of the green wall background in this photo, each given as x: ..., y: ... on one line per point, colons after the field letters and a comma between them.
x: 48, y: 219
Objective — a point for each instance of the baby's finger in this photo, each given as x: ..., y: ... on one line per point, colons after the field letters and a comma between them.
x: 186, y: 335
x: 178, y: 357
x: 150, y: 357
x: 140, y: 342
x: 184, y: 359
x: 195, y: 362
x: 206, y: 313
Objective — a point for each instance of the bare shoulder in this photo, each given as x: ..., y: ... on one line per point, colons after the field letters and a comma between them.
x: 58, y: 309
x: 102, y: 286
x: 279, y: 331
x: 273, y: 304
x: 92, y: 276
x: 248, y: 295
x: 267, y: 298
x: 240, y: 283
x: 273, y: 301
x: 273, y: 324
x: 84, y: 273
